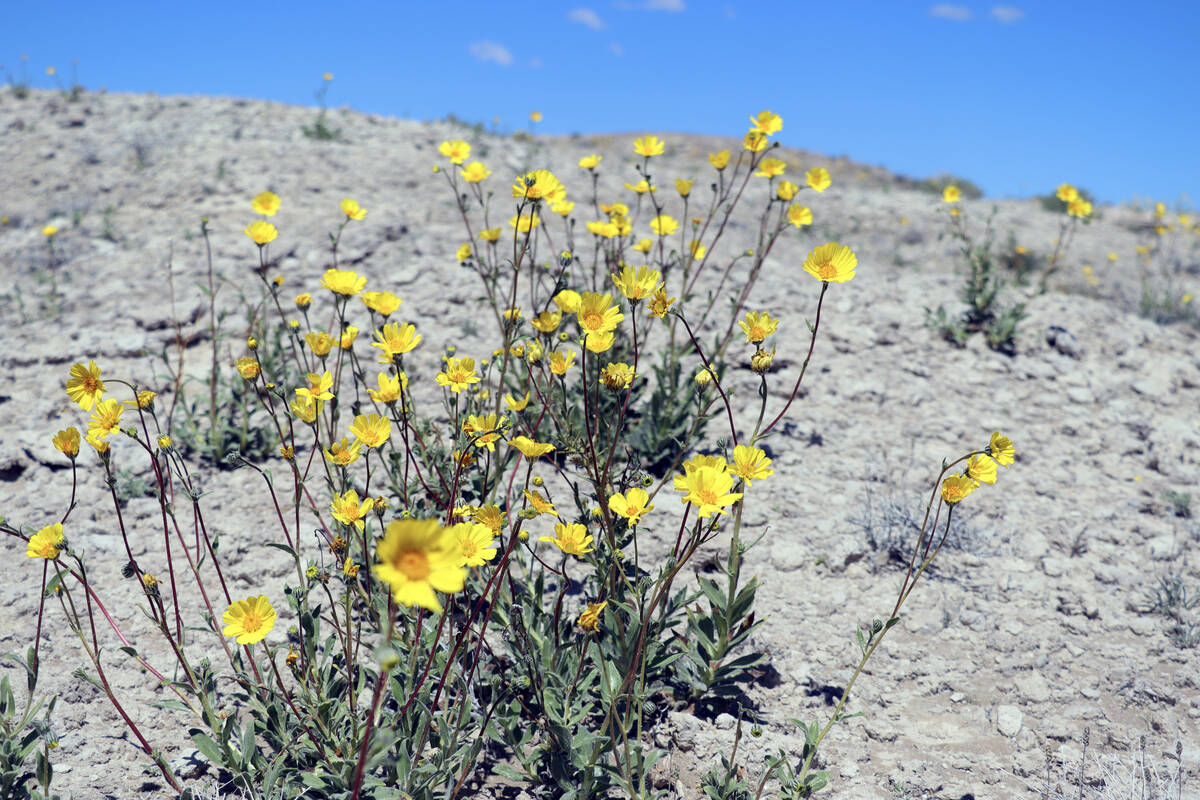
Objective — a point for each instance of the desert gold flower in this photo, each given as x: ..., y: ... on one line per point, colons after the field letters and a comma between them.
x: 145, y: 399
x: 476, y: 542
x: 570, y: 537
x: 261, y: 232
x: 319, y: 342
x: 786, y: 190
x: 541, y: 184
x: 766, y: 122
x: 597, y: 313
x: 760, y: 362
x: 266, y: 204
x: 49, y: 231
x: 540, y: 504
x: 384, y: 303
x: 643, y: 245
x: 648, y: 146
x: 684, y: 186
x: 664, y: 225
x: 475, y: 172
x: 250, y: 620
x: 529, y: 448
x: 1001, y: 449
x: 547, y: 321
x: 719, y: 159
x: 799, y: 215
x: 562, y: 207
x: 605, y: 228
x: 67, y: 442
x: 525, y: 222
x: 559, y: 363
x: 390, y: 387
x: 590, y: 162
x: 1079, y: 208
x: 303, y: 300
x: 638, y: 284
x: 533, y: 353
x: 771, y: 167
x: 349, y: 511
x: 348, y: 337
x: 755, y: 141
x: 395, y: 341
x: 818, y: 179
x: 599, y: 342
x: 490, y: 234
x: 831, y: 263
x: 589, y: 620
x: 956, y: 487
x: 248, y: 367
x: 98, y: 443
x: 459, y: 374
x: 751, y: 463
x: 631, y: 505
x: 641, y: 187
x: 951, y: 194
x: 758, y: 325
x: 306, y: 409
x: 456, y: 150
x: 1066, y: 192
x: 418, y: 558
x: 320, y: 385
x: 342, y: 453
x: 489, y: 515
x: 660, y: 304
x: 84, y: 385
x: 46, y: 542
x: 371, y: 429
x: 343, y: 282
x: 106, y: 419
x: 707, y: 488
x: 981, y: 468
x: 617, y: 376
x: 513, y: 404
x: 352, y: 209
x: 484, y: 430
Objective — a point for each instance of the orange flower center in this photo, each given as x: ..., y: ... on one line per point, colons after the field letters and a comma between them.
x: 90, y: 384
x: 413, y: 564
x: 251, y: 622
x: 469, y: 549
x: 592, y: 320
x: 827, y: 271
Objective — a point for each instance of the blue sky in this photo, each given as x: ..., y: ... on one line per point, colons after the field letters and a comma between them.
x: 1018, y: 97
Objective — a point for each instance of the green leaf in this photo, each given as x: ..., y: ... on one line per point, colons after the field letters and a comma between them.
x: 211, y: 750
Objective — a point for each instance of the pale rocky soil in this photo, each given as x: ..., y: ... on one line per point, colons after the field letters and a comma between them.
x: 1025, y: 636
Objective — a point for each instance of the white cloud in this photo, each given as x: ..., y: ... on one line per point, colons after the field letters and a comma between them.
x: 951, y: 12
x: 1007, y: 15
x: 585, y: 16
x: 651, y: 5
x: 490, y: 51
x: 616, y: 49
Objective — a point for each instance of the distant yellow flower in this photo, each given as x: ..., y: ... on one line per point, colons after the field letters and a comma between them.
x: 660, y: 304
x: 719, y: 159
x: 597, y: 313
x: 250, y: 620
x: 1066, y: 192
x: 664, y: 225
x: 46, y: 542
x: 476, y: 542
x: 818, y: 179
x: 1112, y: 256
x: 767, y: 122
x: 751, y: 463
x: 771, y: 167
x: 418, y: 558
x: 513, y: 404
x: 799, y: 215
x: 589, y: 620
x: 831, y: 263
x: 541, y: 184
x: 617, y: 376
x: 698, y: 250
x: 1001, y: 449
x: 342, y: 453
x: 786, y: 190
x: 631, y: 505
x: 760, y: 362
x: 590, y: 162
x: 755, y: 141
x: 951, y: 194
x: 490, y: 234
x: 638, y: 284
x: 349, y: 511
x: 98, y: 443
x: 525, y: 222
x: 303, y: 300
x: 529, y: 448
x: 956, y: 487
x: 707, y: 488
x: 559, y: 363
x: 352, y: 209
x: 348, y: 337
x: 604, y: 228
x: 981, y: 468
x: 489, y: 515
x: 343, y: 282
x: 266, y: 204
x: 641, y: 187
x: 535, y: 116
x: 319, y: 386
x: 547, y: 321
x: 371, y: 429
x: 540, y: 504
x: 84, y: 385
x: 106, y: 419
x: 67, y: 442
x: 1079, y: 208
x: 384, y: 303
x: 248, y: 367
x: 261, y: 232
x: 704, y: 376
x: 319, y: 342
x: 562, y: 207
x: 570, y: 537
x: 395, y: 340
x: 306, y: 409
x: 758, y: 325
x: 475, y: 172
x: 684, y: 186
x: 643, y: 245
x: 599, y: 341
x: 327, y: 76
x: 648, y: 146
x: 455, y: 150
x: 459, y: 374
x: 49, y: 231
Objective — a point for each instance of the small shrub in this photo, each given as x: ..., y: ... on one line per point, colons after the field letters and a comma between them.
x: 320, y: 129
x: 1172, y: 600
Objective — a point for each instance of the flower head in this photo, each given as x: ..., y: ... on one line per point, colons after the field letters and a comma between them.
x: 266, y: 204
x: 956, y: 487
x: 459, y: 374
x: 248, y: 367
x: 306, y: 409
x: 540, y: 504
x: 707, y: 488
x: 617, y: 376
x: 384, y: 303
x: 67, y: 442
x: 455, y: 149
x: 1066, y: 192
x: 529, y: 448
x: 371, y: 429
x: 751, y: 463
x: 106, y: 419
x: 831, y: 263
x: 951, y: 194
x: 1001, y: 449
x: 343, y: 282
x: 758, y: 325
x: 766, y: 122
x: 720, y: 159
x: 648, y: 146
x: 981, y: 468
x: 589, y: 620
x: 799, y: 215
x: 319, y: 342
x: 46, y: 542
x: 818, y: 179
x: 684, y: 186
x: 786, y: 190
x: 418, y: 558
x: 320, y: 385
x: 771, y: 168
x: 638, y: 284
x: 541, y: 184
x: 547, y: 321
x: 570, y: 537
x: 475, y: 172
x: 590, y: 162
x: 525, y: 222
x: 250, y: 620
x: 395, y: 341
x: 342, y: 453
x: 349, y: 511
x: 755, y: 141
x: 484, y: 430
x: 597, y: 313
x: 568, y: 301
x: 560, y: 363
x: 49, y: 231
x: 660, y: 304
x: 664, y: 225
x: 390, y: 387
x: 84, y: 386
x: 476, y: 542
x: 261, y: 232
x: 631, y: 505
x: 352, y: 209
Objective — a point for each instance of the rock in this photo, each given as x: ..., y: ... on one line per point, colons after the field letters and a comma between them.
x: 189, y: 765
x: 1033, y: 687
x: 687, y: 728
x: 1054, y: 567
x: 1162, y: 548
x: 725, y: 722
x: 1062, y: 340
x: 1008, y: 720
